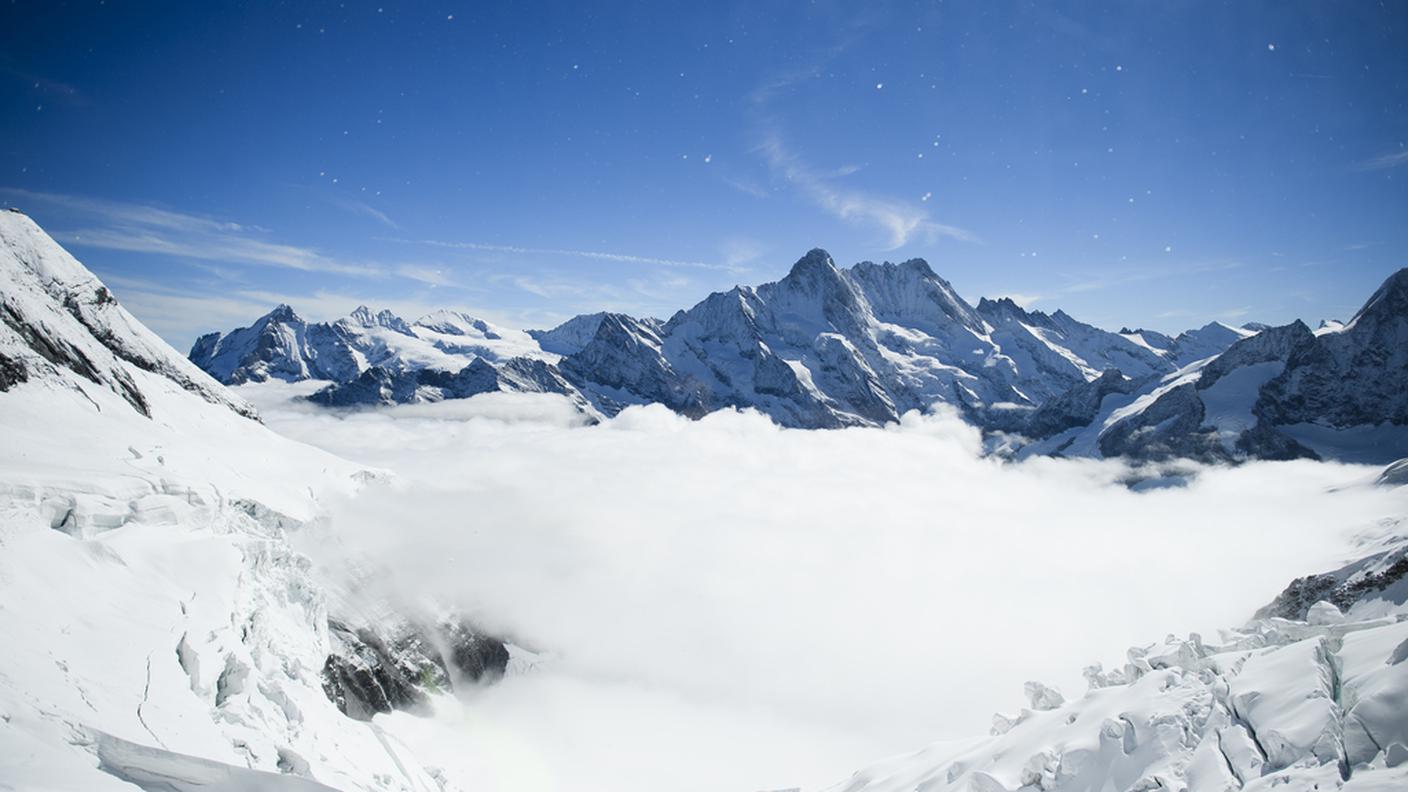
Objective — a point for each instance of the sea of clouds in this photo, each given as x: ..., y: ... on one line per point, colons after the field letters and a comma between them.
x: 723, y: 604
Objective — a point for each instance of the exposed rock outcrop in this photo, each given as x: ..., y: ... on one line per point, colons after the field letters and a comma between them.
x: 367, y: 673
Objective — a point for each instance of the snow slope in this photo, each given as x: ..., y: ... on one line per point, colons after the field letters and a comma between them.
x: 57, y: 319
x: 159, y: 630
x: 1315, y: 702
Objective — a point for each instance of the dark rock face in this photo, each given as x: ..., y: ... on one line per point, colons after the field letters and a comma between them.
x: 367, y: 674
x: 12, y: 373
x: 1356, y: 376
x: 1077, y: 406
x: 382, y: 386
x: 1275, y: 344
x: 61, y: 352
x: 1383, y: 575
x: 1264, y: 441
x: 369, y: 677
x: 477, y: 657
x: 1170, y: 428
x: 376, y: 385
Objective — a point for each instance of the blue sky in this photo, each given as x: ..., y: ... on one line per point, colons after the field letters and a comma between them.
x: 1154, y: 164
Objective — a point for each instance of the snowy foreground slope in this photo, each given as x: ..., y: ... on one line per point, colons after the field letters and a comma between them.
x: 158, y: 629
x: 1304, y: 697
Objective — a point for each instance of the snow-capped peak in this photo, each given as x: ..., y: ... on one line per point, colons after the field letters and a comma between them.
x: 283, y: 312
x: 1389, y: 300
x: 458, y: 323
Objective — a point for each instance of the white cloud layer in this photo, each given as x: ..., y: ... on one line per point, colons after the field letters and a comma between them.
x: 771, y: 608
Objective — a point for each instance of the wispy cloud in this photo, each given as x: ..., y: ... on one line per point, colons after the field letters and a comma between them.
x: 1023, y: 300
x: 236, y: 249
x: 181, y: 313
x: 740, y: 251
x: 52, y: 90
x: 365, y: 209
x: 1393, y: 159
x: 123, y: 212
x: 118, y: 225
x: 623, y: 258
x: 901, y: 221
x: 745, y: 185
x: 1133, y: 275
x: 427, y: 274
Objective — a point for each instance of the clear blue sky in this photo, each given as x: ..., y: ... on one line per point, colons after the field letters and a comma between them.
x: 1155, y: 164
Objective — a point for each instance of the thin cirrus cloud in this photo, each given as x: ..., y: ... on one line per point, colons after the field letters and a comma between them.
x: 900, y: 221
x: 364, y: 209
x: 219, y: 247
x: 620, y: 258
x: 1396, y: 159
x: 138, y: 228
x: 182, y: 314
x: 1022, y: 300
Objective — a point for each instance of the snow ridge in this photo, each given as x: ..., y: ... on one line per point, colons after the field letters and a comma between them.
x: 58, y: 322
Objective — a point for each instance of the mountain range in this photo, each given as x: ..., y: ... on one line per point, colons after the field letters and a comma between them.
x: 831, y: 347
